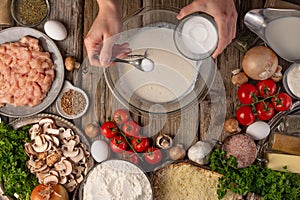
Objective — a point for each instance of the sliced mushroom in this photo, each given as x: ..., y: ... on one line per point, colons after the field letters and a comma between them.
x: 55, y: 141
x: 78, y: 157
x: 63, y: 180
x: 40, y: 148
x: 42, y: 155
x: 50, y: 180
x: 53, y: 172
x: 68, y: 133
x: 40, y: 176
x: 35, y: 130
x: 71, y: 185
x: 52, y: 159
x: 70, y: 154
x: 68, y: 169
x: 53, y: 131
x: 40, y: 169
x: 47, y: 120
x: 29, y: 150
x: 79, y: 178
x: 164, y: 141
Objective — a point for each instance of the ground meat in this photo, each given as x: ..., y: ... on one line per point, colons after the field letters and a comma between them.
x: 242, y: 147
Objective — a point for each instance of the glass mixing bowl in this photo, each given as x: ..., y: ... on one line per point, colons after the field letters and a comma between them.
x: 175, y: 84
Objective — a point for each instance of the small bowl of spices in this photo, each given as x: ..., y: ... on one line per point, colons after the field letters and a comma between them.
x: 30, y: 13
x: 72, y: 102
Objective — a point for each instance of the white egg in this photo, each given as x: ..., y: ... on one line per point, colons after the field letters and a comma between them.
x: 258, y: 130
x: 55, y: 30
x: 100, y: 150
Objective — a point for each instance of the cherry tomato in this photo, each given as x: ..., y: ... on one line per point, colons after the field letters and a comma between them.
x: 131, y: 128
x: 282, y: 102
x: 264, y: 110
x: 245, y: 115
x: 153, y: 155
x: 121, y: 116
x: 247, y: 93
x: 130, y: 156
x: 140, y: 144
x: 118, y: 144
x: 266, y: 88
x: 109, y: 129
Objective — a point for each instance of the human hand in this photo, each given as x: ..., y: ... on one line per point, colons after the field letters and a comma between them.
x: 225, y: 16
x: 101, y: 38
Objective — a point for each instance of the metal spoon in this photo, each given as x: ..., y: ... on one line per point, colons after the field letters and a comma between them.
x: 141, y: 62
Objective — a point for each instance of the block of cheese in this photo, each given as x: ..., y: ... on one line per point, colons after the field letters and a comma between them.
x: 186, y: 181
x: 286, y: 143
x: 277, y: 161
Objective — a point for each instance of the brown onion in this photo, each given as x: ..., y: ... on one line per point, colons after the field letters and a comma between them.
x: 52, y: 192
x: 260, y: 63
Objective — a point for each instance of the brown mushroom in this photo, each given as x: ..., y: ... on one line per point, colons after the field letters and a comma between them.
x: 70, y: 63
x: 239, y: 78
x: 50, y: 180
x: 231, y: 126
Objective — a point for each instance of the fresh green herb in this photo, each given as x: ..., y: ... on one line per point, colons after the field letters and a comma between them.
x: 14, y: 174
x: 270, y: 184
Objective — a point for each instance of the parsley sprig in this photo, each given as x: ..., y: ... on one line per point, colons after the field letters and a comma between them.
x: 14, y: 174
x: 270, y: 184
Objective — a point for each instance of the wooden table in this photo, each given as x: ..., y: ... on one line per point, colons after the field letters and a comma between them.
x: 78, y: 16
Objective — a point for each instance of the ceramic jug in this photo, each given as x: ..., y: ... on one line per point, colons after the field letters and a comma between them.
x: 279, y: 28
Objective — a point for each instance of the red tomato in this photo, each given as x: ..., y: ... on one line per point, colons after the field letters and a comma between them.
x: 266, y: 88
x: 247, y: 93
x: 118, y: 144
x: 153, y: 155
x: 244, y: 115
x: 109, y: 129
x: 140, y: 144
x: 130, y: 156
x: 131, y: 128
x: 282, y: 102
x: 121, y: 116
x: 264, y: 110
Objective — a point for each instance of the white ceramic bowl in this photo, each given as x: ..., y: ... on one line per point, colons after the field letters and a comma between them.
x: 68, y: 86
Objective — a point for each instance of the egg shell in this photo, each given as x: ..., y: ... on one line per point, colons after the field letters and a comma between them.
x: 55, y: 30
x: 100, y: 150
x: 258, y: 130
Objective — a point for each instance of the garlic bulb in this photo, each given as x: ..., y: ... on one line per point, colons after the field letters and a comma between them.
x: 200, y: 152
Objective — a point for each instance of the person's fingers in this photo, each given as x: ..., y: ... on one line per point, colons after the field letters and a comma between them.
x: 92, y: 49
x: 106, y: 51
x: 189, y: 9
x: 222, y: 31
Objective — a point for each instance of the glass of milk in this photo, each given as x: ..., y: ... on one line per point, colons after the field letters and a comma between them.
x: 196, y: 36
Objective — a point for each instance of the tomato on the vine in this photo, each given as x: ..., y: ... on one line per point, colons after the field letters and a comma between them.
x: 109, y: 129
x: 121, y: 116
x: 264, y: 110
x: 118, y: 144
x: 130, y: 156
x: 245, y: 115
x: 153, y: 155
x: 282, y: 101
x: 140, y: 144
x: 266, y: 88
x: 131, y: 128
x: 247, y: 93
